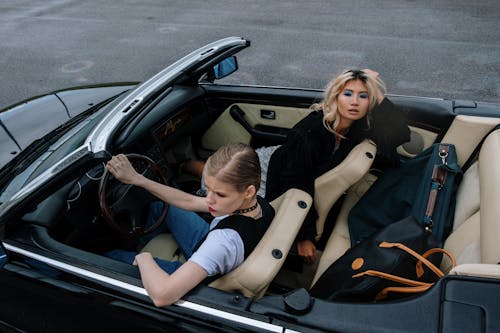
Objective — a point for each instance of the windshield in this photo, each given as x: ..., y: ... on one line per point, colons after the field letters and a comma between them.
x: 49, y: 150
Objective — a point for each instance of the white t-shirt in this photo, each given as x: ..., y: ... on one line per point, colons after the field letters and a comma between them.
x: 264, y: 154
x: 221, y: 252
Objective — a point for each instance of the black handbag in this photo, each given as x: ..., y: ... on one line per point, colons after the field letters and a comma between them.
x: 400, y: 259
x: 430, y: 178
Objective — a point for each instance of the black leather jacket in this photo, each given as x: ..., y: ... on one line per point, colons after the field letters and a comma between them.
x: 309, y: 152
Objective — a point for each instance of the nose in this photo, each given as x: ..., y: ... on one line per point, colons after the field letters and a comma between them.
x: 209, y: 197
x: 355, y: 100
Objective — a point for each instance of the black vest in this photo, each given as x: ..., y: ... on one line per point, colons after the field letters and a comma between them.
x: 250, y: 230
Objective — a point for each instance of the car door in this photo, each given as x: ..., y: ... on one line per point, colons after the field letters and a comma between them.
x: 46, y: 293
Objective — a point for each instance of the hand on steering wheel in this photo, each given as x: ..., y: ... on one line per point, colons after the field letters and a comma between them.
x: 131, y: 202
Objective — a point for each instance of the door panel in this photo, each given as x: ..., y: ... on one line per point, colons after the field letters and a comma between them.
x: 259, y: 119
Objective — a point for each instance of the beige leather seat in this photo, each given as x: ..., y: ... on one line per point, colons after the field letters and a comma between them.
x: 339, y: 240
x: 474, y: 241
x: 254, y: 275
x: 330, y: 186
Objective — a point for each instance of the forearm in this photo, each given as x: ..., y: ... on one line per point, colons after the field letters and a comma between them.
x: 172, y: 195
x: 122, y: 169
x: 154, y: 280
x: 163, y: 288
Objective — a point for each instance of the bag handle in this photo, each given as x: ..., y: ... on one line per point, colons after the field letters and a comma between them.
x: 420, y: 269
x: 439, y: 173
x: 392, y: 277
x: 422, y: 258
x: 413, y: 286
x: 438, y: 180
x: 407, y: 290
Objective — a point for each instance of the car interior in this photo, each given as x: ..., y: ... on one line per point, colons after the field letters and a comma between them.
x: 191, y: 122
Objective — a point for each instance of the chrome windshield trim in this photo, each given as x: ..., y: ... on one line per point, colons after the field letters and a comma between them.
x: 100, y: 134
x: 46, y: 175
x: 120, y: 284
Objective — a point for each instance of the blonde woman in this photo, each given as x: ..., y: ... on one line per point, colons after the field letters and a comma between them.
x: 232, y: 177
x: 353, y: 108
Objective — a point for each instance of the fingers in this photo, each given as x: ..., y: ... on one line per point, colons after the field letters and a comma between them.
x: 375, y: 75
x: 311, y: 258
x: 307, y: 250
x: 371, y: 73
x: 120, y: 167
x: 117, y: 160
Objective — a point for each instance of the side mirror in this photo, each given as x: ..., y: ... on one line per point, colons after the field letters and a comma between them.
x: 225, y: 67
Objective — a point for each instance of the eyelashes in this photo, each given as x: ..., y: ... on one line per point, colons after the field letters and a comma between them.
x: 349, y: 93
x: 217, y: 194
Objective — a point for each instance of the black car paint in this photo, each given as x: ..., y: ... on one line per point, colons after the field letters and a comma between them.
x: 29, y: 120
x: 56, y: 301
x: 53, y: 299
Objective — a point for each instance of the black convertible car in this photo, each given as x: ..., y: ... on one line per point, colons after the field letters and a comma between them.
x: 60, y: 211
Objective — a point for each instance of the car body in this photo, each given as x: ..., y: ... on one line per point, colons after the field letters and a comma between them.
x: 29, y: 120
x: 54, y: 275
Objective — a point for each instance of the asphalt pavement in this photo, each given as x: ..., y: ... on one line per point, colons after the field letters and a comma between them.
x: 435, y: 48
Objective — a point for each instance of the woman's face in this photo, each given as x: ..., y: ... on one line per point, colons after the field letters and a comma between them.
x: 353, y: 102
x: 223, y: 198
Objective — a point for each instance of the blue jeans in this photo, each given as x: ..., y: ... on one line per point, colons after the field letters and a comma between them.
x: 188, y: 228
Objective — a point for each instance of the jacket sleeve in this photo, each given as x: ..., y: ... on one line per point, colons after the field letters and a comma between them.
x: 293, y: 166
x: 389, y: 129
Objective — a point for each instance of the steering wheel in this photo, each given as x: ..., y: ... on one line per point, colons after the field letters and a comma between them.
x: 129, y: 201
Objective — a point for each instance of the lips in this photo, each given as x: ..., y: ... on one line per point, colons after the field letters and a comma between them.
x: 211, y: 210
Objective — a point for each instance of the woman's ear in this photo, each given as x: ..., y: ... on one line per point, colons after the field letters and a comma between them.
x: 250, y: 191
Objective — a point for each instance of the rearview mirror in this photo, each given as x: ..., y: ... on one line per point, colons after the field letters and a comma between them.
x: 225, y: 67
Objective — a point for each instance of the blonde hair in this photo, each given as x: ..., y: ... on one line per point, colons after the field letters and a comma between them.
x: 329, y: 106
x: 236, y: 164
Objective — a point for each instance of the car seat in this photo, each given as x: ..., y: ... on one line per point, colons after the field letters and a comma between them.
x: 328, y: 188
x: 474, y: 240
x: 331, y: 185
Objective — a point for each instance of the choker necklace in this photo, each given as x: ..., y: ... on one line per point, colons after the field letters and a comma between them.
x: 246, y: 210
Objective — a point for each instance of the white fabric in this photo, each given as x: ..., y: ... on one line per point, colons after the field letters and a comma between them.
x: 264, y: 154
x: 221, y: 252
